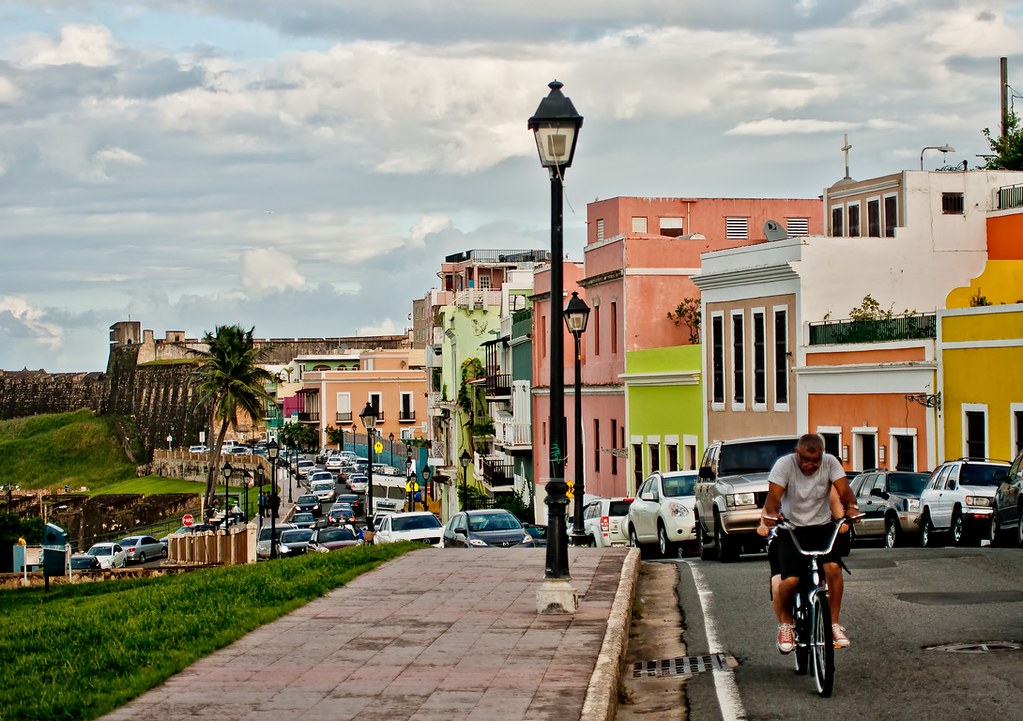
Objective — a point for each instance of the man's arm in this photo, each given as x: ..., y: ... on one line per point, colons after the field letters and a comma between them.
x: 846, y: 495
x: 772, y: 506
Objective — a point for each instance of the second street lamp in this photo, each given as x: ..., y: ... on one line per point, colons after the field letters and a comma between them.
x: 227, y: 471
x: 576, y: 315
x: 465, y: 459
x: 555, y: 126
x: 272, y: 452
x: 369, y: 420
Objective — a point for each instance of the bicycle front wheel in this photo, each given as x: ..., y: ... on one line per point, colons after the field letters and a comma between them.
x: 823, y: 643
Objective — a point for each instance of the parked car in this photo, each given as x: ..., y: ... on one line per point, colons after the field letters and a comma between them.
x: 263, y: 540
x: 308, y: 502
x: 536, y: 534
x: 479, y: 529
x: 84, y: 562
x: 304, y: 520
x: 662, y: 517
x: 199, y: 449
x: 331, y: 539
x: 421, y: 526
x: 604, y: 520
x: 890, y: 504
x: 294, y: 542
x: 109, y: 555
x: 1007, y: 508
x: 357, y: 482
x: 731, y: 491
x: 141, y: 548
x: 323, y: 489
x: 959, y: 499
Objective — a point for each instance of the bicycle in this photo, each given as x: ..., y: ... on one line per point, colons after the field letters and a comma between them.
x: 811, y: 614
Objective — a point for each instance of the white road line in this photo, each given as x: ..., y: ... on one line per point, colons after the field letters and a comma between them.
x: 724, y: 678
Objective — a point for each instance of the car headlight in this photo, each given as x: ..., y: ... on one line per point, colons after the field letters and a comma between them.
x: 285, y: 549
x: 677, y: 509
x: 477, y: 543
x: 740, y: 499
x: 978, y: 501
x: 912, y: 504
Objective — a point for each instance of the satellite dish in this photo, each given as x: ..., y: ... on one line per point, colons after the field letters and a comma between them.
x: 773, y: 230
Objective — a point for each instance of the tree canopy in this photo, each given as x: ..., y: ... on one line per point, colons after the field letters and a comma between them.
x: 1007, y: 150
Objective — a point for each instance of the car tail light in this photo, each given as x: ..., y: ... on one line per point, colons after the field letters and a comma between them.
x: 605, y: 524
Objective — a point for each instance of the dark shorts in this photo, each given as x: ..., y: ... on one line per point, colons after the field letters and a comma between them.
x: 791, y: 562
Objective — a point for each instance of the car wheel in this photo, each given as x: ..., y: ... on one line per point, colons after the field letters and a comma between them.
x: 727, y: 550
x: 665, y: 546
x: 927, y: 535
x: 892, y: 533
x: 957, y: 528
x: 1019, y: 527
x: 163, y: 552
x: 634, y: 542
x: 142, y: 557
x: 707, y: 551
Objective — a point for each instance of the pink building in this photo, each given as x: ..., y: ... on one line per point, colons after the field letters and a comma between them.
x: 639, y: 257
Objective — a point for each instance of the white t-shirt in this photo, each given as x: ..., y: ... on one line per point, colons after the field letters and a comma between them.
x: 806, y: 501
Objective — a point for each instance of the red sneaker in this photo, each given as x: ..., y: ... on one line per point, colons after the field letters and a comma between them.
x: 786, y: 639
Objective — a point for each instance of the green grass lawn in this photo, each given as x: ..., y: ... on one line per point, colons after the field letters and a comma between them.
x: 82, y: 650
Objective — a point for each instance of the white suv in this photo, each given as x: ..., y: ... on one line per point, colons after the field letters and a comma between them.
x: 662, y: 517
x: 605, y: 521
x: 959, y: 499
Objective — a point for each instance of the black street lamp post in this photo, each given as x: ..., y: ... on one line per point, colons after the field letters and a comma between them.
x: 410, y: 483
x: 465, y: 460
x: 227, y: 471
x: 576, y: 315
x: 427, y: 472
x: 272, y: 452
x: 555, y: 126
x: 291, y: 477
x: 369, y: 420
x: 261, y: 502
x: 390, y: 452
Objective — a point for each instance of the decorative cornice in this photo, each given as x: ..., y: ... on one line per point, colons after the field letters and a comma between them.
x: 667, y: 378
x: 601, y: 278
x: 745, y: 276
x: 601, y: 390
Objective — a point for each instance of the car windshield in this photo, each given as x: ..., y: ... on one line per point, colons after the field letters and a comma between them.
x: 335, y: 534
x: 676, y: 486
x: 753, y: 457
x: 308, y: 499
x: 297, y: 536
x: 494, y: 522
x: 130, y: 540
x: 412, y: 523
x: 100, y: 551
x: 302, y: 517
x: 981, y: 474
x: 908, y: 483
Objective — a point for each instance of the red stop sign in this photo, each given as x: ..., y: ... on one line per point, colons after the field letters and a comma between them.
x: 187, y: 519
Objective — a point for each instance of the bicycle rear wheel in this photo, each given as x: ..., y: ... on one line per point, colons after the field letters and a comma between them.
x: 823, y: 644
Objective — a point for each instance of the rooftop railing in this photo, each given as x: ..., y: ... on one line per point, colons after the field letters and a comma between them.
x: 907, y: 327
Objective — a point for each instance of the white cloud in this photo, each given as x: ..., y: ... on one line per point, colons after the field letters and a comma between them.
x: 18, y: 318
x: 90, y: 45
x: 775, y: 126
x: 427, y: 225
x: 269, y: 270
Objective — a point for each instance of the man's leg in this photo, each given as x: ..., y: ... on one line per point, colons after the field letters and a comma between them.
x: 784, y: 595
x: 836, y: 585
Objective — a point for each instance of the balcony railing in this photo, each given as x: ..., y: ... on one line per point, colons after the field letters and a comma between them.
x: 344, y: 416
x: 498, y: 384
x: 308, y: 416
x: 406, y: 416
x: 522, y: 323
x: 909, y: 327
x: 498, y: 474
x: 513, y: 434
x: 478, y: 299
x: 1010, y: 196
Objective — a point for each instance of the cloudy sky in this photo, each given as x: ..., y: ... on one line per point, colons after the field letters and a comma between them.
x: 303, y: 166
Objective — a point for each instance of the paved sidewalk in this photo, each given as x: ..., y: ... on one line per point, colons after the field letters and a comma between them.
x: 436, y: 635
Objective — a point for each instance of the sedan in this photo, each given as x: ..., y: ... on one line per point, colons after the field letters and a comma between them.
x: 109, y: 555
x: 340, y: 513
x: 308, y: 502
x: 331, y: 539
x: 334, y: 463
x: 358, y: 482
x: 479, y: 529
x: 84, y: 562
x: 294, y: 542
x: 418, y: 526
x: 263, y: 540
x: 304, y: 520
x: 141, y: 548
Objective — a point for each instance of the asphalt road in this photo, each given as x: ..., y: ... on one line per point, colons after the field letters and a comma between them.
x: 898, y: 605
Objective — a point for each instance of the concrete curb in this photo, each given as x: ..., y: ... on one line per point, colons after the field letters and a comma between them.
x: 602, y: 693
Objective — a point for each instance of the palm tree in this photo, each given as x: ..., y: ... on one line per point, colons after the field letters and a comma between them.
x: 230, y: 381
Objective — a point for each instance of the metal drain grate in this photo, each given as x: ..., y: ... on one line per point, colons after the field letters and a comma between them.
x: 680, y: 665
x: 978, y: 647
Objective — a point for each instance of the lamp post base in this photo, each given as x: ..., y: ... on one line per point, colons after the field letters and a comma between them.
x: 557, y: 595
x: 578, y: 537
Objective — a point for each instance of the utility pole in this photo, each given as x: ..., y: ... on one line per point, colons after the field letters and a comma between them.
x: 1003, y: 89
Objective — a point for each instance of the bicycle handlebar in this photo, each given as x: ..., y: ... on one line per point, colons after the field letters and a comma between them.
x: 787, y: 525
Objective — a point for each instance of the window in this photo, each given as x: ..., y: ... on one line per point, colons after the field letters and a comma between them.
x: 375, y: 401
x: 781, y: 357
x: 952, y: 203
x: 614, y: 456
x: 831, y: 443
x: 600, y: 229
x: 797, y: 226
x: 854, y: 220
x: 344, y: 407
x: 976, y: 433
x: 836, y: 221
x: 407, y: 412
x: 596, y: 445
x: 485, y: 282
x: 736, y: 228
x: 672, y: 451
x: 759, y: 360
x: 614, y: 327
x: 1018, y: 430
x: 596, y: 328
x: 543, y: 336
x: 637, y: 463
x: 891, y: 215
x: 717, y: 352
x: 655, y: 457
x: 638, y: 224
x: 874, y: 218
x: 690, y: 456
x: 867, y: 450
x: 671, y: 227
x: 738, y: 360
x: 905, y: 453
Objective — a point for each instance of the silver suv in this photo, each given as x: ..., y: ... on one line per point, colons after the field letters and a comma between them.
x: 959, y: 499
x: 731, y: 491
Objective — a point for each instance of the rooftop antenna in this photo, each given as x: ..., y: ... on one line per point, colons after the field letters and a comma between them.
x: 845, y: 151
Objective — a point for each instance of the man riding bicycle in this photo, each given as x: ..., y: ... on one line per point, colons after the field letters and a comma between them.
x: 799, y: 490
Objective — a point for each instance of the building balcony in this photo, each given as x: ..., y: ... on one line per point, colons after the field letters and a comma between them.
x: 406, y: 416
x: 498, y: 385
x: 344, y: 417
x: 473, y: 299
x: 497, y: 474
x: 308, y: 416
x: 910, y: 327
x: 1010, y: 196
x: 513, y: 435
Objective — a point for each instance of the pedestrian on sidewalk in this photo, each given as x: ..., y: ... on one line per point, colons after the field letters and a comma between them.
x: 261, y: 502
